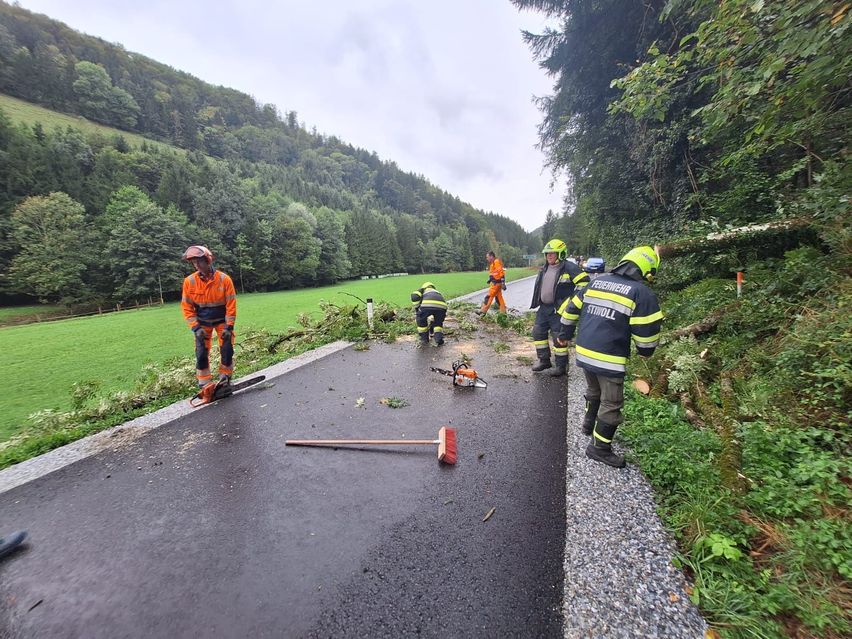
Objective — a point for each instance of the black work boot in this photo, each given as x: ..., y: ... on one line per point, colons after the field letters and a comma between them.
x: 601, y: 447
x: 592, y: 407
x: 543, y: 364
x: 603, y: 453
x: 561, y: 367
x: 10, y: 542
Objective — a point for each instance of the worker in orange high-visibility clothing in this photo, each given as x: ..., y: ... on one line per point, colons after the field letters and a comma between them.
x: 209, y: 303
x: 497, y: 279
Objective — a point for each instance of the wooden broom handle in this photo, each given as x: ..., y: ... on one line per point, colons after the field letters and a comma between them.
x: 341, y: 442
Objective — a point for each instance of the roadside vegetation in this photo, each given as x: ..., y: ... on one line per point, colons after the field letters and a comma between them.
x: 746, y: 441
x: 720, y: 130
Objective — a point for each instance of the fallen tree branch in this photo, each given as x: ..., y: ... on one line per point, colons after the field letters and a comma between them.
x: 715, y: 242
x: 285, y: 338
x: 689, y: 410
x: 698, y: 328
x: 730, y: 461
x: 661, y: 382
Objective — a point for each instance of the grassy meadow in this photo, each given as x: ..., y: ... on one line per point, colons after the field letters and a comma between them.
x: 45, y: 359
x: 29, y: 114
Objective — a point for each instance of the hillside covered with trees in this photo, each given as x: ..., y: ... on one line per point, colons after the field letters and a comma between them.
x: 720, y: 130
x: 90, y: 219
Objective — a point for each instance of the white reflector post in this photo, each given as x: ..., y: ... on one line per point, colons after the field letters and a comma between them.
x: 370, y: 312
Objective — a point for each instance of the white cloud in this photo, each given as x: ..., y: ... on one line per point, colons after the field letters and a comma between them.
x: 443, y: 88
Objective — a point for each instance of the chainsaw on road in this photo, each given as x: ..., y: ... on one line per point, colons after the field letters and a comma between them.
x: 463, y: 375
x: 215, y: 391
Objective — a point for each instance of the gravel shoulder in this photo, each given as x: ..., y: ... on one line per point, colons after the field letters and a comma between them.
x: 619, y: 577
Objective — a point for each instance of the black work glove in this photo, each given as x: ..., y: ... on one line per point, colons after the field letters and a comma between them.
x: 490, y: 279
x: 504, y: 286
x: 199, y: 333
x: 227, y: 333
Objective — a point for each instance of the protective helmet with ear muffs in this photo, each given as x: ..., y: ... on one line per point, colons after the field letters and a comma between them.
x: 198, y: 251
x: 556, y: 246
x: 646, y: 260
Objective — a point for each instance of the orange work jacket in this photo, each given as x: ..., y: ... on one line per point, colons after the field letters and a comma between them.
x: 210, y: 301
x: 496, y: 270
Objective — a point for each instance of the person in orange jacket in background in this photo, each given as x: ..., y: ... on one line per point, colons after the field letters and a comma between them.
x: 209, y: 303
x: 497, y: 279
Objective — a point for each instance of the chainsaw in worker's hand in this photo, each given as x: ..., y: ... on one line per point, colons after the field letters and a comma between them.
x: 220, y: 390
x: 462, y: 375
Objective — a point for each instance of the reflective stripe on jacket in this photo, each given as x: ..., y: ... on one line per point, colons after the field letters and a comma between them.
x: 570, y: 277
x: 430, y: 298
x: 611, y: 310
x: 209, y: 302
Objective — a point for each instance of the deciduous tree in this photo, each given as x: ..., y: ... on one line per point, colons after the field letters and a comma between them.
x: 53, y: 256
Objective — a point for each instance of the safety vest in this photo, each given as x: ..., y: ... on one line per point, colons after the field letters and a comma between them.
x: 570, y: 277
x: 210, y: 301
x: 429, y: 298
x: 610, y: 311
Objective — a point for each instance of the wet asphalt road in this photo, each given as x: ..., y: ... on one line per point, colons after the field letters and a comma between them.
x: 209, y: 526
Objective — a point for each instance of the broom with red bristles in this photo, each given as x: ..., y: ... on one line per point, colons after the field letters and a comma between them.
x: 446, y: 441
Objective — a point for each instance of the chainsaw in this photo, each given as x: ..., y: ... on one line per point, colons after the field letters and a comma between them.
x: 462, y: 375
x: 220, y: 390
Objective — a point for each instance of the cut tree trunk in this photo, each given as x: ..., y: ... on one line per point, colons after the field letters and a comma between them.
x: 744, y: 235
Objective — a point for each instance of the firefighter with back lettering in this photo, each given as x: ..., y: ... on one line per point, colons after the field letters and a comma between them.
x: 209, y: 304
x: 555, y: 283
x: 612, y: 310
x: 427, y: 301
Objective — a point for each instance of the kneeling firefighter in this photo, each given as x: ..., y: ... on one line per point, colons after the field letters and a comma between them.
x: 209, y: 304
x: 555, y: 283
x: 427, y: 301
x: 613, y: 309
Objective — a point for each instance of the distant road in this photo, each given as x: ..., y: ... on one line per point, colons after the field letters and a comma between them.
x: 517, y: 296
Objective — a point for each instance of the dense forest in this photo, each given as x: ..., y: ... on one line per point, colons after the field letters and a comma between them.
x: 88, y: 219
x: 677, y: 118
x: 721, y: 131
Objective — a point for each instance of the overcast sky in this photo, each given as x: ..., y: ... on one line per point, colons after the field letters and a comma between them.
x: 442, y: 87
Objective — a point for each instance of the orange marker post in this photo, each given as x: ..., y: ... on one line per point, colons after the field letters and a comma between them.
x: 740, y: 281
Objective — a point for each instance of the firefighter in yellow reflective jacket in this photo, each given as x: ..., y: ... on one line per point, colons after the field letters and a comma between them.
x: 613, y: 309
x: 209, y: 304
x: 555, y: 283
x: 427, y: 301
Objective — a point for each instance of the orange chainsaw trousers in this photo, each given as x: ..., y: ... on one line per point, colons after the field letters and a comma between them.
x: 202, y: 354
x: 494, y: 293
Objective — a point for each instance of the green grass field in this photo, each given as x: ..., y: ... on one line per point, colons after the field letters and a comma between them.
x: 45, y: 359
x: 28, y: 113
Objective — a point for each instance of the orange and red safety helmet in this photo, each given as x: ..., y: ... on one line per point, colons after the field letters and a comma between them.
x: 197, y: 250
